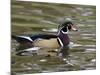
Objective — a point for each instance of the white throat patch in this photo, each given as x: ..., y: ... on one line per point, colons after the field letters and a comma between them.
x: 65, y: 32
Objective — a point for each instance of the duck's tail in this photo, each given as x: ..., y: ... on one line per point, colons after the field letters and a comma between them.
x: 21, y: 39
x: 24, y: 41
x: 13, y: 37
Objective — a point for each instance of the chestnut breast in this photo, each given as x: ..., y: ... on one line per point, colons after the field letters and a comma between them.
x: 64, y: 38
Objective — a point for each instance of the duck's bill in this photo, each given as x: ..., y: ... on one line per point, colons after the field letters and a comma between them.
x: 74, y: 28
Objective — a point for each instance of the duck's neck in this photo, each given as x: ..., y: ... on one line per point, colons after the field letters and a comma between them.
x: 63, y: 38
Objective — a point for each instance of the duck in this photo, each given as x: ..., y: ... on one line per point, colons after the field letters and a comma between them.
x: 61, y: 39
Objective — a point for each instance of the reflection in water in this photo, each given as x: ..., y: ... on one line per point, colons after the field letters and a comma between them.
x: 27, y: 51
x: 64, y: 51
x: 64, y: 55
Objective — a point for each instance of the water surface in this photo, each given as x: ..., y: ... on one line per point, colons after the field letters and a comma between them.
x: 33, y: 18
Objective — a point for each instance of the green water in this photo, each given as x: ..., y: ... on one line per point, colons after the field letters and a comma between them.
x: 30, y: 18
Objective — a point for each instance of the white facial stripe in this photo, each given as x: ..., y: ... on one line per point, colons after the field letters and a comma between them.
x: 60, y: 42
x: 26, y: 37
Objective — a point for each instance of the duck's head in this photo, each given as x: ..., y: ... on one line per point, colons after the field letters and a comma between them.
x: 67, y: 26
x: 63, y: 30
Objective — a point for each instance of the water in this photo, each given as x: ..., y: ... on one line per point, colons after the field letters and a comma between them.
x: 33, y: 18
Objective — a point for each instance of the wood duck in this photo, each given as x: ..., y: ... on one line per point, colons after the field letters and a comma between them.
x: 48, y: 40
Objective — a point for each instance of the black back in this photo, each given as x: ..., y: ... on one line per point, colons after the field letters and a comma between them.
x: 43, y: 36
